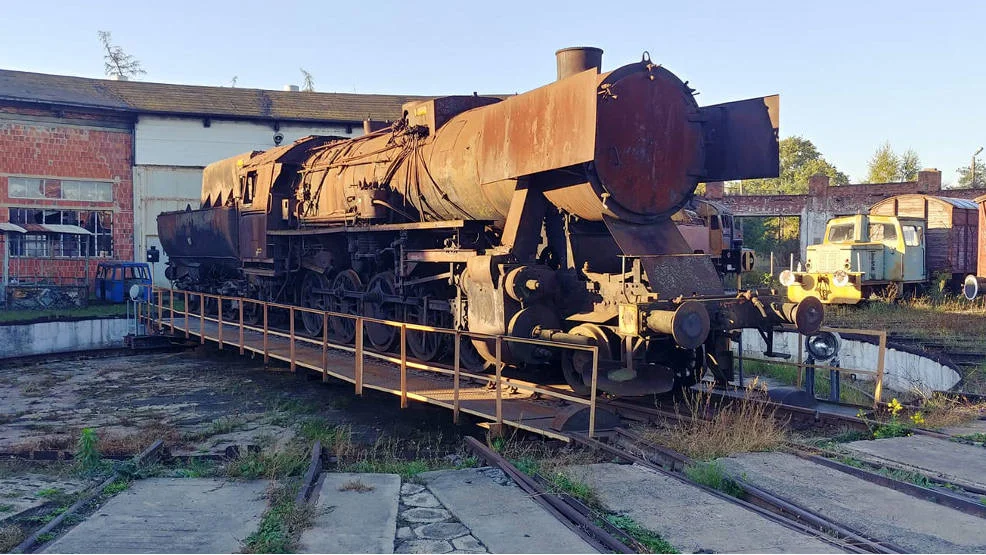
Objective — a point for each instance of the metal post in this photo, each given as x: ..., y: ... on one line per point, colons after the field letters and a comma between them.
x: 241, y: 325
x: 499, y: 394
x: 184, y: 311
x: 592, y: 392
x: 740, y: 348
x: 810, y: 376
x: 266, y: 353
x: 881, y: 359
x: 171, y: 301
x: 834, y: 386
x: 325, y: 347
x: 800, y: 354
x: 291, y: 336
x: 455, y: 379
x: 403, y: 366
x: 202, y: 318
x: 160, y: 305
x: 219, y: 318
x: 359, y: 355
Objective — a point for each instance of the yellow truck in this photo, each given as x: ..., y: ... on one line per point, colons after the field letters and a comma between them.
x: 903, y: 242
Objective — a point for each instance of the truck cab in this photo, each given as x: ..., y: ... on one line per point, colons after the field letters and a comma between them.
x: 858, y: 255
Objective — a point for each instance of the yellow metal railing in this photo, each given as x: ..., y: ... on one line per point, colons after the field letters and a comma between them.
x: 359, y: 352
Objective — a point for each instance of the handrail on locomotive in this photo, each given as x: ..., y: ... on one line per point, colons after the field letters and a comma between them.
x: 546, y: 214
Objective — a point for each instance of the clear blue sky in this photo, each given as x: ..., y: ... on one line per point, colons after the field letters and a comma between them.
x: 851, y: 75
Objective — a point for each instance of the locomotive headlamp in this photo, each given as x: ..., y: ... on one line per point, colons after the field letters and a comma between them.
x: 840, y: 278
x: 788, y: 278
x: 971, y: 286
x: 823, y: 345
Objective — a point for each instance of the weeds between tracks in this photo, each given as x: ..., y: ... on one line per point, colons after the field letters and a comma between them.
x: 711, y: 427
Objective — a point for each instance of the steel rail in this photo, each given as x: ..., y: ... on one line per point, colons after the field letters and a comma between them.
x: 148, y: 455
x: 765, y: 504
x: 565, y: 513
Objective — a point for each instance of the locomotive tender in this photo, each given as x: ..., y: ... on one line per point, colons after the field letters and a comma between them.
x: 541, y: 215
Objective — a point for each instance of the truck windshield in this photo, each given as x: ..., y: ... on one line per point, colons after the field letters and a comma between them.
x: 912, y: 235
x: 842, y: 233
x: 883, y: 232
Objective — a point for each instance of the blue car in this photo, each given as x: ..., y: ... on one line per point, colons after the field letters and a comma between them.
x: 114, y: 279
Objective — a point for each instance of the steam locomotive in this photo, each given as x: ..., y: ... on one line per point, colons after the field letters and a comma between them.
x: 546, y: 215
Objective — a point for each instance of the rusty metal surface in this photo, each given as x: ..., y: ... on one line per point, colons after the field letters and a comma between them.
x: 577, y: 59
x: 200, y: 234
x: 741, y: 139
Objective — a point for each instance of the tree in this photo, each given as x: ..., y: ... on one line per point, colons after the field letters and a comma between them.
x: 309, y: 85
x: 117, y: 62
x: 886, y: 166
x: 800, y: 160
x: 965, y: 176
x: 910, y: 165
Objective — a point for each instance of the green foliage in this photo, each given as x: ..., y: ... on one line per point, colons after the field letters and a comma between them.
x: 49, y: 492
x: 282, y: 524
x: 887, y: 166
x: 800, y: 159
x: 407, y: 469
x: 713, y: 474
x: 978, y: 437
x: 269, y: 464
x: 894, y: 426
x: 965, y: 175
x: 46, y: 537
x: 116, y: 487
x: 6, y: 508
x: 87, y: 457
x: 94, y: 310
x: 563, y: 483
x: 653, y: 542
x: 196, y: 468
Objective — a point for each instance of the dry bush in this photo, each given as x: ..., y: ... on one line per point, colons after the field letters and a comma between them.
x: 11, y: 535
x: 940, y: 411
x: 356, y: 485
x: 711, y: 428
x: 131, y: 443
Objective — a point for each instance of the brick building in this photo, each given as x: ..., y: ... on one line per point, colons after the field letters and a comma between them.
x: 108, y: 156
x: 65, y: 167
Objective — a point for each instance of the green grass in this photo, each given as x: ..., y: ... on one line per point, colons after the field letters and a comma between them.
x: 978, y: 437
x: 92, y: 311
x: 653, y: 542
x: 292, y: 461
x: 713, y: 475
x: 116, y: 487
x: 282, y: 524
x: 49, y: 492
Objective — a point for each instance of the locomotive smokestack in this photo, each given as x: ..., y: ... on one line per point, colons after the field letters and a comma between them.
x: 578, y: 59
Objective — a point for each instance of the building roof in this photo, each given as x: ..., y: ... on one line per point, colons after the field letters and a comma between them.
x: 141, y: 97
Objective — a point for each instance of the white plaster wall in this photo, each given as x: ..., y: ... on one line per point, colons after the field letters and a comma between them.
x: 177, y: 141
x: 903, y: 371
x: 60, y: 337
x: 160, y: 189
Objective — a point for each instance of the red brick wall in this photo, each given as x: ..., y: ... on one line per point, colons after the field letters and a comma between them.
x: 83, y: 147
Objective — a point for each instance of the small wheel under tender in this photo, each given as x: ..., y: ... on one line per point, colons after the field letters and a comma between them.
x: 576, y: 364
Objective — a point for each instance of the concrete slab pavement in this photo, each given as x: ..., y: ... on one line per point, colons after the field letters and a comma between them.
x: 499, y: 514
x: 356, y: 513
x: 878, y: 512
x: 689, y: 518
x: 953, y: 461
x: 171, y: 515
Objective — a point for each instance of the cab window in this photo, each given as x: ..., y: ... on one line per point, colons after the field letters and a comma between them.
x: 714, y: 224
x: 913, y: 235
x: 883, y: 232
x: 842, y: 233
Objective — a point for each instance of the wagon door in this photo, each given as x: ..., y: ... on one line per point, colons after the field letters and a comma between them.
x: 914, y: 252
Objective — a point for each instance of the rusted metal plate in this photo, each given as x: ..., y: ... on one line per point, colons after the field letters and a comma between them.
x: 682, y: 274
x: 741, y: 139
x: 661, y: 237
x: 648, y: 152
x: 204, y: 234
